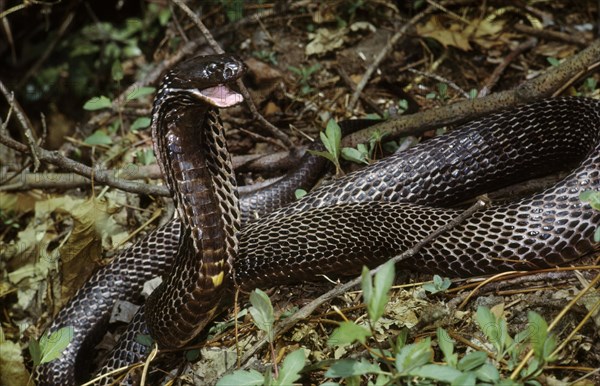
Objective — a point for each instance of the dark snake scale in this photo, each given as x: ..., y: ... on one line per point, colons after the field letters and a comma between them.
x: 363, y: 218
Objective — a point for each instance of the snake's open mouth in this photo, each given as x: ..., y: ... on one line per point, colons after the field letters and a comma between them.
x: 220, y: 96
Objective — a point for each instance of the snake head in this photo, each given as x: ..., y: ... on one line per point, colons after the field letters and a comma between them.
x: 207, y: 78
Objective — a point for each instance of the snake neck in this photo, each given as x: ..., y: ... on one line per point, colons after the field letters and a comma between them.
x: 190, y: 147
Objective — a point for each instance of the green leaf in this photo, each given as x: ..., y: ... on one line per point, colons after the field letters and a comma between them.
x: 132, y: 50
x: 597, y: 235
x: 98, y: 138
x: 353, y: 155
x: 163, y: 16
x: 295, y: 70
x: 508, y: 382
x: 586, y: 195
x: 290, y: 368
x: 262, y: 312
x: 324, y: 154
x: 192, y: 355
x: 443, y: 90
x: 401, y: 339
x: 299, y: 193
x: 534, y: 367
x: 377, y: 298
x: 548, y: 348
x: 472, y: 361
x: 414, y: 355
x: 83, y: 48
x: 553, y: 61
x: 366, y: 284
x: 332, y: 138
x: 529, y: 382
x: 488, y: 373
x: 140, y: 123
x: 349, y: 367
x: 117, y: 71
x: 35, y: 351
x: 538, y: 332
x: 591, y: 196
x: 145, y: 156
x: 439, y: 284
x: 437, y: 372
x: 140, y: 92
x: 402, y: 106
x: 97, y: 103
x: 144, y: 340
x: 347, y: 333
x: 446, y: 344
x: 494, y: 329
x: 242, y: 378
x: 51, y: 346
x: 465, y: 379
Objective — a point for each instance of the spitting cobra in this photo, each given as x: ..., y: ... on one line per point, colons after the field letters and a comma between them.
x: 363, y: 218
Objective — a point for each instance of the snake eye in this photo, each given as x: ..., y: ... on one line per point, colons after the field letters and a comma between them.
x: 229, y: 71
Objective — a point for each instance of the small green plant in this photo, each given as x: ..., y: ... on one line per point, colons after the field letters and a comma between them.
x: 289, y: 372
x: 589, y: 85
x: 299, y: 193
x: 87, y: 56
x: 438, y: 284
x: 145, y: 156
x: 441, y: 95
x: 50, y: 346
x: 413, y: 363
x: 365, y: 153
x: 305, y: 74
x: 332, y: 140
x: 100, y: 137
x: 266, y: 56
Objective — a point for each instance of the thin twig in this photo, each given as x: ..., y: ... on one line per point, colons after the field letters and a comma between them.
x: 442, y: 80
x: 101, y: 176
x: 25, y: 123
x: 362, y: 96
x: 259, y: 137
x: 382, y: 54
x: 307, y: 310
x: 491, y: 81
x: 578, y: 40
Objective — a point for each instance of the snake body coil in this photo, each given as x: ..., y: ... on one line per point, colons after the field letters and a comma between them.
x: 375, y: 213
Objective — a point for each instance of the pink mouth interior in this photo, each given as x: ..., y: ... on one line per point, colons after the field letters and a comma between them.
x: 221, y: 96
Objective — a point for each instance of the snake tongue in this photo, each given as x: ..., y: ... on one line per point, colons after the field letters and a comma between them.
x: 221, y: 96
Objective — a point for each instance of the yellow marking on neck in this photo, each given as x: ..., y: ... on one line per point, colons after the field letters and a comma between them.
x: 218, y: 279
